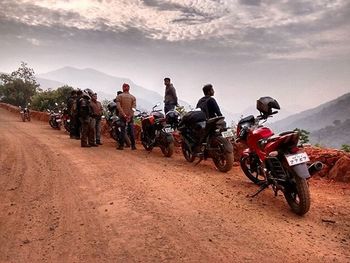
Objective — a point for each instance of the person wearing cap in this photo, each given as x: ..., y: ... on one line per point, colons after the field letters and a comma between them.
x: 96, y: 115
x: 170, y: 98
x: 125, y: 105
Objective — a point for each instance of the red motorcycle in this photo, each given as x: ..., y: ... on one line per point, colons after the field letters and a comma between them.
x: 275, y: 160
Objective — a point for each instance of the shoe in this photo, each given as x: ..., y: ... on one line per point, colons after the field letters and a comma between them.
x: 93, y: 145
x: 85, y: 145
x: 99, y: 143
x: 133, y: 147
x: 120, y: 148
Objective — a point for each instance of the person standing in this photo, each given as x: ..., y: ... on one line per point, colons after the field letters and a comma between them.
x: 84, y: 112
x: 97, y: 112
x: 71, y: 109
x: 208, y: 104
x: 125, y: 105
x: 170, y: 98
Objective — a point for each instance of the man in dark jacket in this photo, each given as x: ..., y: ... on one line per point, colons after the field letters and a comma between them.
x: 84, y: 111
x: 71, y: 108
x: 170, y: 98
x: 208, y: 104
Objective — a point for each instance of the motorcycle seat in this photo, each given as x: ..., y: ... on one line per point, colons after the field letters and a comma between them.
x: 215, y: 119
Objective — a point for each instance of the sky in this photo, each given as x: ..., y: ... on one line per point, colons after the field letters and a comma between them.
x: 296, y: 51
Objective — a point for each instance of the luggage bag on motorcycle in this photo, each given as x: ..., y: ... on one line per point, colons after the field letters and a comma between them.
x: 193, y: 119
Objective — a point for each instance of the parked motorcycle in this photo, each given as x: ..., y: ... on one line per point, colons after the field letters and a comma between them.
x: 156, y: 132
x: 205, y: 139
x: 275, y: 160
x: 25, y: 113
x: 55, y: 119
x: 66, y: 118
x: 114, y: 123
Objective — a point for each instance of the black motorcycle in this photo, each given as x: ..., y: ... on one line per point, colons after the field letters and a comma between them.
x: 55, y: 119
x: 156, y: 132
x: 25, y: 113
x: 205, y: 139
x: 115, y: 124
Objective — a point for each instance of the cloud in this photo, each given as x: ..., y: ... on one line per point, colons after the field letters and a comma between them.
x: 264, y: 28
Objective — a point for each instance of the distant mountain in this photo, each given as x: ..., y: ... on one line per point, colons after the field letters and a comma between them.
x: 333, y: 135
x: 317, y: 118
x: 48, y: 84
x: 106, y: 86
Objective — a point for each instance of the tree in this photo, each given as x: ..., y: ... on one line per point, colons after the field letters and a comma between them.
x: 46, y: 99
x: 18, y: 87
x: 345, y: 148
x: 304, y: 135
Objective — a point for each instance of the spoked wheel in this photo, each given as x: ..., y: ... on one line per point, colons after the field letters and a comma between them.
x: 297, y: 195
x: 223, y: 160
x: 168, y: 150
x: 252, y: 169
x: 187, y: 153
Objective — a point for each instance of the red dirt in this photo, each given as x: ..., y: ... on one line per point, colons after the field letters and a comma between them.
x: 63, y: 203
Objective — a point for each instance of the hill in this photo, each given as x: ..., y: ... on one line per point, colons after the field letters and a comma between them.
x: 317, y: 118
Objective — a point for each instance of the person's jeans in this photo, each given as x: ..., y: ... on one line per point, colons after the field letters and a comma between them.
x: 98, y: 130
x: 130, y: 129
x: 169, y: 107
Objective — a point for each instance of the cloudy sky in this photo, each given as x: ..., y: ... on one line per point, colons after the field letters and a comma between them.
x: 297, y: 51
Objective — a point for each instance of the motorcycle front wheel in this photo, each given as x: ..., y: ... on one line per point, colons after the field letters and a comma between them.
x: 252, y: 170
x: 23, y: 118
x: 168, y: 150
x: 187, y: 152
x: 297, y: 195
x: 146, y: 142
x: 222, y: 159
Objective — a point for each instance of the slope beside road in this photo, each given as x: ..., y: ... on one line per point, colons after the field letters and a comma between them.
x: 63, y: 203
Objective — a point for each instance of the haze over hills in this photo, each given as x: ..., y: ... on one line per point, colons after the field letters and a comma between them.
x: 107, y: 86
x: 329, y: 123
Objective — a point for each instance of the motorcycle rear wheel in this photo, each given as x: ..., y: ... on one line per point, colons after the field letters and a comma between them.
x: 187, y: 153
x: 223, y: 160
x: 253, y: 175
x: 168, y: 150
x: 297, y: 195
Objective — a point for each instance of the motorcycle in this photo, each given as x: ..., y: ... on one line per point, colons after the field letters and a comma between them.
x: 66, y: 119
x: 55, y: 119
x: 25, y: 113
x: 205, y: 139
x: 114, y: 123
x: 156, y: 132
x: 275, y: 160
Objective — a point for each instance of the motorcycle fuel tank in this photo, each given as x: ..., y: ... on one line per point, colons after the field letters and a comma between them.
x: 258, y: 134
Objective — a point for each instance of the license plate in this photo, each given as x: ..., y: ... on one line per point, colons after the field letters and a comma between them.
x: 294, y: 159
x: 168, y: 129
x: 228, y: 133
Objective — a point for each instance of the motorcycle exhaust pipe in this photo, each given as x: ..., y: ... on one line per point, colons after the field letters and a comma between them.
x: 315, y: 167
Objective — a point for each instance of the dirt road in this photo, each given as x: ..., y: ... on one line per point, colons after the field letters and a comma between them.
x: 63, y: 203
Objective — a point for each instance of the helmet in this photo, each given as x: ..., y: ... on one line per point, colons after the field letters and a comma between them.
x: 89, y: 91
x: 86, y: 95
x: 172, y: 118
x: 266, y: 104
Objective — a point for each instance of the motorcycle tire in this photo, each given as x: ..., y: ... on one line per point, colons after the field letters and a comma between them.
x: 255, y: 176
x: 168, y: 150
x: 145, y: 143
x: 187, y: 153
x: 28, y: 117
x: 223, y: 160
x: 297, y: 195
x: 51, y: 124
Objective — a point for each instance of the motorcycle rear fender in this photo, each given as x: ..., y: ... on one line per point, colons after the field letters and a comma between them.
x: 301, y: 170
